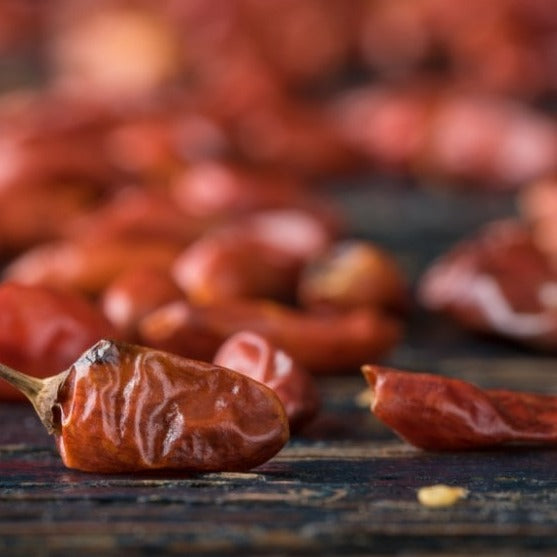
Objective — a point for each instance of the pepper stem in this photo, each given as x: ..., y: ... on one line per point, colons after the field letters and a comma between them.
x: 29, y: 386
x: 41, y: 392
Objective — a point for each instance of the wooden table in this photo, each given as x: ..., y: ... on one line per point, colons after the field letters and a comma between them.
x: 344, y: 486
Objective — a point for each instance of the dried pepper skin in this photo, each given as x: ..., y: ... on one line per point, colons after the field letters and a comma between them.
x: 125, y: 408
x: 254, y: 356
x: 323, y: 344
x: 441, y: 414
x: 43, y: 331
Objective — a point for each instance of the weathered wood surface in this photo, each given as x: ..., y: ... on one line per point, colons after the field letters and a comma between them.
x: 345, y: 486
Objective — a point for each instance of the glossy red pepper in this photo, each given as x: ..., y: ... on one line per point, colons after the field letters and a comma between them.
x: 124, y: 408
x: 497, y: 282
x: 440, y: 414
x: 258, y: 256
x: 254, y: 356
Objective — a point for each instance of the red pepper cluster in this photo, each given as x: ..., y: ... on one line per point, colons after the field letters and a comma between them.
x: 162, y: 188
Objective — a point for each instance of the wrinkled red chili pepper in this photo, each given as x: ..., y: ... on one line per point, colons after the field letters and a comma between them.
x: 329, y: 343
x: 258, y: 256
x: 124, y: 408
x: 43, y: 331
x: 254, y: 356
x: 438, y: 413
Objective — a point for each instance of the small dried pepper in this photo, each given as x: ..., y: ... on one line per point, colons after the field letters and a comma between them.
x: 353, y: 274
x: 257, y: 256
x: 497, y: 282
x: 324, y: 344
x: 124, y: 408
x: 438, y: 413
x: 254, y: 356
x: 88, y: 266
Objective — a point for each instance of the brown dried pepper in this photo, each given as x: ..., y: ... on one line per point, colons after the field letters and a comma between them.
x: 124, y: 408
x: 438, y: 413
x: 325, y: 344
x: 254, y: 356
x: 43, y: 331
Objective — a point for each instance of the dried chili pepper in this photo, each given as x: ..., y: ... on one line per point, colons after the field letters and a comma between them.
x: 354, y: 274
x: 258, y: 256
x: 497, y: 282
x: 470, y: 138
x: 438, y: 413
x: 124, y: 408
x: 43, y: 331
x: 325, y: 344
x: 88, y: 266
x: 254, y: 356
x: 292, y: 136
